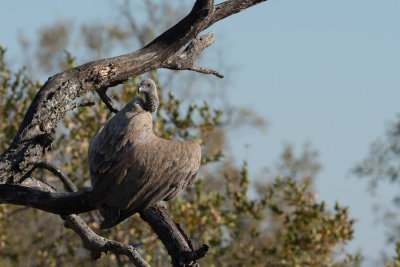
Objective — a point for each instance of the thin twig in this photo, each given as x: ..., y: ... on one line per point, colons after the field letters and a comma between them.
x: 68, y: 184
x: 104, y: 97
x: 206, y: 71
x: 79, y: 105
x: 97, y: 244
x: 185, y: 61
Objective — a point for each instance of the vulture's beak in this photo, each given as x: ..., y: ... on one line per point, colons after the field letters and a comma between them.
x: 140, y: 89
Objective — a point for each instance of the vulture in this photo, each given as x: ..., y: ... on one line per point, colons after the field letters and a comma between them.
x: 131, y: 168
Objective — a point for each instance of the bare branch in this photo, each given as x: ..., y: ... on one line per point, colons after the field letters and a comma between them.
x: 229, y: 8
x: 177, y: 243
x: 206, y: 71
x: 97, y: 244
x: 94, y: 243
x: 69, y: 185
x: 79, y: 105
x: 102, y: 92
x: 91, y: 241
x: 185, y: 61
x: 58, y: 203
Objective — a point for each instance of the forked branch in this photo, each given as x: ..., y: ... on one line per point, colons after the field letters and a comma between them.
x: 185, y: 61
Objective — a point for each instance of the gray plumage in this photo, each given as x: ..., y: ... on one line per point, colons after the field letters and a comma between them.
x: 131, y: 168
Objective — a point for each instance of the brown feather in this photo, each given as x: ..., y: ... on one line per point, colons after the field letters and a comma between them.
x: 132, y: 169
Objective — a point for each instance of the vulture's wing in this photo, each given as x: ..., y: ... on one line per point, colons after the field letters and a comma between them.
x: 167, y: 166
x: 132, y: 169
x: 159, y: 170
x: 108, y: 152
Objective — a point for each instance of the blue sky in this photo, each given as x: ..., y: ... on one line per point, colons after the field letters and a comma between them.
x: 324, y: 72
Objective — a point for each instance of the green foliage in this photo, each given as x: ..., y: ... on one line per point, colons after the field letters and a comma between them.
x: 285, y: 225
x: 17, y: 89
x: 395, y: 262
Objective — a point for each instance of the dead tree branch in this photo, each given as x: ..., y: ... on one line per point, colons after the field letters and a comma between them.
x: 97, y: 244
x: 91, y: 241
x: 57, y: 203
x: 79, y: 105
x: 41, y: 196
x: 68, y: 184
x: 185, y: 61
x: 175, y: 240
x: 102, y: 92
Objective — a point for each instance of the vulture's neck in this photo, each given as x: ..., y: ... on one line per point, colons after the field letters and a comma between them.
x: 151, y: 103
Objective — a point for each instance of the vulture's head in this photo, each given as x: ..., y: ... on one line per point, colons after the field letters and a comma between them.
x: 148, y: 87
